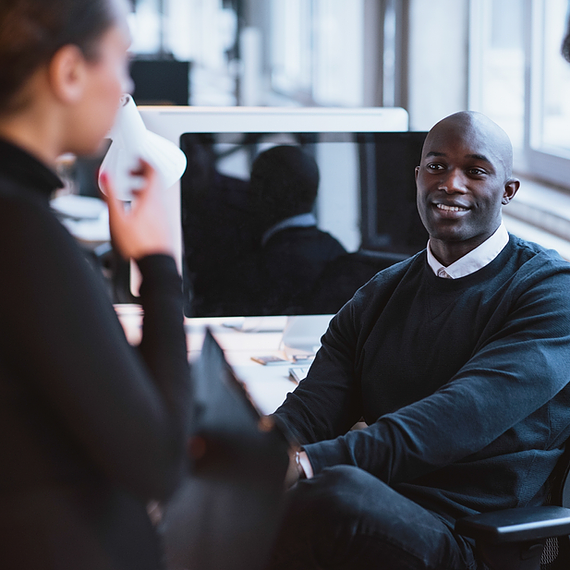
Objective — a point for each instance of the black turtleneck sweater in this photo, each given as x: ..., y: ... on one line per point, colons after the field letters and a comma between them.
x: 91, y: 428
x: 463, y: 383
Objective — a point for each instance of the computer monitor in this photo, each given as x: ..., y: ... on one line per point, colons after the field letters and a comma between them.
x: 389, y: 217
x: 351, y: 148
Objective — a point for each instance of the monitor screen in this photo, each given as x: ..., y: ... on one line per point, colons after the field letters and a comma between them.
x: 292, y: 223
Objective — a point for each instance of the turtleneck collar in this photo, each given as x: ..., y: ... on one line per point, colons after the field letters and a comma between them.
x: 25, y: 169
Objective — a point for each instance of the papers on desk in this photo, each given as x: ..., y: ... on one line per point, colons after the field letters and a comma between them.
x: 298, y: 373
x: 78, y: 207
x: 256, y: 324
x: 86, y: 218
x: 272, y: 360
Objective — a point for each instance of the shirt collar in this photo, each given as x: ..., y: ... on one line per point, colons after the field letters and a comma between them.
x: 474, y: 260
x: 300, y: 221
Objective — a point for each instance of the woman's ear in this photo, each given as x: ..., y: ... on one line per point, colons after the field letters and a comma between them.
x: 67, y: 74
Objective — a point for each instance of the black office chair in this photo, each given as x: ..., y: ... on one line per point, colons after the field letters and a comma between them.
x: 344, y: 275
x: 534, y: 538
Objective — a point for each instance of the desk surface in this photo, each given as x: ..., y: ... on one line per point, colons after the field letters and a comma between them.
x: 268, y: 385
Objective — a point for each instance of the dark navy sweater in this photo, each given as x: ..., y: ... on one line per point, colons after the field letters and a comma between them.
x: 463, y: 383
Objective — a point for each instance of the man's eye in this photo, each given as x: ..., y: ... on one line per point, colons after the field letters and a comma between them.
x: 476, y: 171
x: 434, y: 166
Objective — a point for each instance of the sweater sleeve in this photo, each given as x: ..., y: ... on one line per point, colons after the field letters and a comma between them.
x: 69, y: 353
x: 483, y: 409
x: 328, y: 402
x: 163, y: 344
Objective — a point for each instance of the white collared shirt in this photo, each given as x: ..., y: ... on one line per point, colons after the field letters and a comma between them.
x: 474, y: 260
x: 300, y: 221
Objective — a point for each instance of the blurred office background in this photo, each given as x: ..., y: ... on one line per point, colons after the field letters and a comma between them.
x: 432, y: 57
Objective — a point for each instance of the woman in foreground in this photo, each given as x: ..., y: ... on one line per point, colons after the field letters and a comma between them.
x: 91, y: 429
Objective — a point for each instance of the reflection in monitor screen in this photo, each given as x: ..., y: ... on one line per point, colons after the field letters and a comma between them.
x: 294, y: 223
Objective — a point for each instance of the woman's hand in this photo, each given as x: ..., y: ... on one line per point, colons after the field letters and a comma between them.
x: 143, y: 228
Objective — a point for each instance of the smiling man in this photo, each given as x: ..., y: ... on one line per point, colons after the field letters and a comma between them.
x: 457, y: 359
x: 464, y: 180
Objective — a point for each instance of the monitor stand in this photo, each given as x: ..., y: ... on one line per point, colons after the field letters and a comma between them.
x: 302, y: 334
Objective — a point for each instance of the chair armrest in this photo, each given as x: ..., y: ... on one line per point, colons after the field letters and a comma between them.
x: 516, y: 525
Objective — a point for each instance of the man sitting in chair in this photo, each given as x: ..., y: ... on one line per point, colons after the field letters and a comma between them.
x: 458, y: 360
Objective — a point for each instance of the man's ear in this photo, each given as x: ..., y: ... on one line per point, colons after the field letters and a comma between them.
x: 67, y: 73
x: 511, y: 187
x: 417, y: 171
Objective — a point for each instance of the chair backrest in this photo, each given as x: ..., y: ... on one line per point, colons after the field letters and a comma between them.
x: 564, y: 489
x: 556, y: 553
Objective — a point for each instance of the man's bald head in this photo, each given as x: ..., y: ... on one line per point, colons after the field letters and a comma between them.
x: 479, y: 132
x: 463, y: 181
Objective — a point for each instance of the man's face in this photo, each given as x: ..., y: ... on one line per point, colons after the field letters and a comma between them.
x: 461, y: 186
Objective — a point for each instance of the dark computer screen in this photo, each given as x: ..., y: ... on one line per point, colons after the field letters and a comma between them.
x: 293, y: 223
x: 390, y: 221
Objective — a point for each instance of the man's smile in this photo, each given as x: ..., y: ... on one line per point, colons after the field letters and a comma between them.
x: 447, y: 208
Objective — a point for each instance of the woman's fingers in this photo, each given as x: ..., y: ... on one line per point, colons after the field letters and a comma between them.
x: 143, y: 228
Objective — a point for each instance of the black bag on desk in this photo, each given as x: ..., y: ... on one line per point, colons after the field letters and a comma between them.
x: 227, y: 512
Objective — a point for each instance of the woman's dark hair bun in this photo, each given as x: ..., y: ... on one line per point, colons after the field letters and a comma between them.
x: 31, y: 32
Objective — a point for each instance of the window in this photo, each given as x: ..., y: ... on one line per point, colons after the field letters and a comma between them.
x: 317, y: 50
x: 291, y: 42
x: 554, y: 120
x: 519, y: 78
x: 305, y: 52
